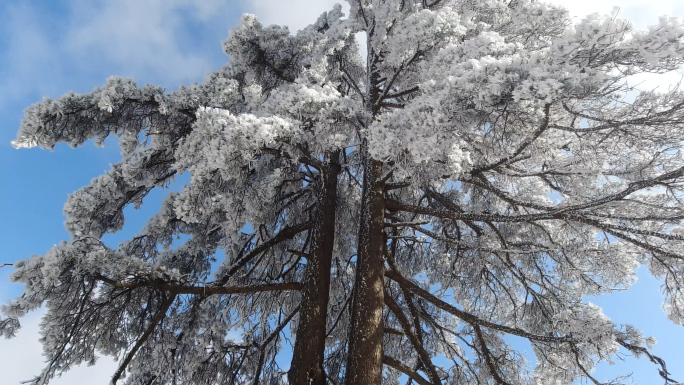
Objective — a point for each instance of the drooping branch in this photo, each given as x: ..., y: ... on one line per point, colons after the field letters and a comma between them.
x: 415, y: 335
x: 161, y: 313
x: 581, y: 367
x: 547, y: 212
x: 268, y: 340
x: 467, y: 317
x: 488, y: 356
x: 448, y: 214
x: 662, y: 117
x: 417, y: 344
x: 77, y: 323
x: 558, y: 213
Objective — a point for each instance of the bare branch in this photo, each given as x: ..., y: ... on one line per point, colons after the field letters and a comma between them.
x: 268, y: 340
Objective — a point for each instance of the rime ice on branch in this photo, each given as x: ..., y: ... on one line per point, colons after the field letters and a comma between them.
x: 485, y: 169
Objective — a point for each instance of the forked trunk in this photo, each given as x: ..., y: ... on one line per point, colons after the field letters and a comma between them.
x: 309, y: 348
x: 364, y: 358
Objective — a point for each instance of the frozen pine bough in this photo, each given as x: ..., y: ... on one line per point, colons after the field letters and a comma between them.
x: 475, y: 173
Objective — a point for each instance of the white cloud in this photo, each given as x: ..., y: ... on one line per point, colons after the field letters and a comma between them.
x: 21, y: 359
x: 141, y: 36
x: 28, y: 50
x: 47, y: 54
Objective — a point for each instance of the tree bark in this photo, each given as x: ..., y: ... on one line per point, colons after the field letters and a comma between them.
x: 309, y: 349
x: 364, y: 358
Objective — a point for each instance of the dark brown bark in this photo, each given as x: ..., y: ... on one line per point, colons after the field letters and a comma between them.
x: 364, y: 358
x: 309, y: 349
x: 365, y: 351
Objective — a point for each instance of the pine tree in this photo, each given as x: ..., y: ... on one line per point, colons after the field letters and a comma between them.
x: 478, y: 171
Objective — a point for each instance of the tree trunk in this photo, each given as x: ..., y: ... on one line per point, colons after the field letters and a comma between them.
x: 309, y: 349
x: 364, y: 358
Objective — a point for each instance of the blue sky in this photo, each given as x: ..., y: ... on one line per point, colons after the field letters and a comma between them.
x: 50, y: 47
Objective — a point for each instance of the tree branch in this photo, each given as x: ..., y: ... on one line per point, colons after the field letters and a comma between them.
x: 417, y: 344
x: 401, y: 93
x: 653, y: 358
x: 203, y: 290
x: 488, y: 357
x: 284, y: 234
x: 522, y: 147
x: 396, y: 364
x: 268, y: 340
